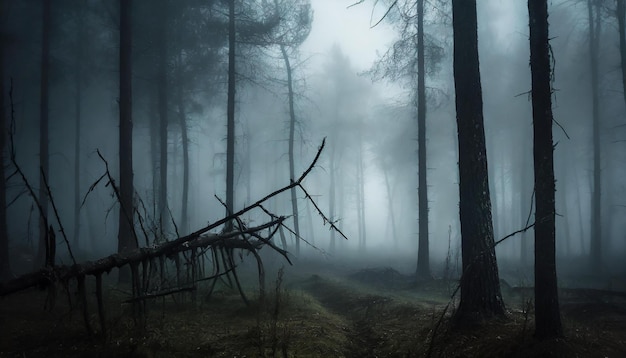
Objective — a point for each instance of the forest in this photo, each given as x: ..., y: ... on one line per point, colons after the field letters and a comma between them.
x: 312, y: 178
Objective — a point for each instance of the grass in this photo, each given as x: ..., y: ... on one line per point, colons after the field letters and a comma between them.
x: 315, y: 316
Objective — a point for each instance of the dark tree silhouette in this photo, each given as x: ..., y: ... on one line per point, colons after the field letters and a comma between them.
x: 126, y: 240
x: 230, y: 114
x: 43, y: 129
x: 480, y: 284
x: 163, y: 95
x: 547, y: 315
x: 5, y: 268
x: 596, y: 198
x: 423, y: 255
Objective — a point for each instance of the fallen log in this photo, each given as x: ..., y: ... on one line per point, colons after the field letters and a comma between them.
x: 62, y: 273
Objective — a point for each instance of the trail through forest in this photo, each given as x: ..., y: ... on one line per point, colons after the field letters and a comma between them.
x: 359, y: 313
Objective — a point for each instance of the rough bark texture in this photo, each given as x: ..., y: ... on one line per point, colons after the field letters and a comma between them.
x: 126, y: 241
x: 43, y: 130
x: 423, y: 256
x: 480, y: 285
x: 596, y: 225
x: 230, y: 114
x: 547, y: 315
x: 292, y: 130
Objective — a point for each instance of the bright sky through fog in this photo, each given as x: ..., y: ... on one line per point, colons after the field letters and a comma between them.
x: 333, y: 23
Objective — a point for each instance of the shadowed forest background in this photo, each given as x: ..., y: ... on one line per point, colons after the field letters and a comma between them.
x: 165, y: 125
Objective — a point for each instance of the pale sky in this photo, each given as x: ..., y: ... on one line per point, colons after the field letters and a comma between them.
x: 333, y: 23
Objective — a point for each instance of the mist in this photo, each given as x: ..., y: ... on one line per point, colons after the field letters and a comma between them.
x: 307, y: 73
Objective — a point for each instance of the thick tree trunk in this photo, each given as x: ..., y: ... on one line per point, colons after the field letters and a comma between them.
x: 126, y: 241
x: 230, y: 127
x: 5, y: 268
x: 292, y: 130
x: 596, y: 225
x: 480, y: 284
x: 423, y: 255
x: 163, y: 117
x: 43, y: 130
x: 547, y: 314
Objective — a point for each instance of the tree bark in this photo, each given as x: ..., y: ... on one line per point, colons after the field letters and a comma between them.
x: 230, y: 127
x: 423, y: 256
x: 5, y: 267
x: 596, y: 225
x: 480, y: 284
x: 547, y: 314
x: 126, y: 241
x: 43, y: 130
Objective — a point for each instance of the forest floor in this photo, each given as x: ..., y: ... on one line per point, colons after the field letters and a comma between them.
x: 369, y: 313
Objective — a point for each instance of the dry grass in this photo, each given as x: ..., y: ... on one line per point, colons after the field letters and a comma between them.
x: 316, y: 317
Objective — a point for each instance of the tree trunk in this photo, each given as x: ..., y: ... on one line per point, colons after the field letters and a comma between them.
x: 163, y: 117
x: 43, y: 131
x: 331, y: 195
x: 547, y: 314
x: 621, y: 26
x: 182, y: 121
x: 292, y: 129
x: 126, y: 241
x: 480, y: 284
x: 360, y: 194
x: 230, y: 127
x: 526, y: 208
x: 596, y: 229
x: 392, y: 217
x: 78, y: 79
x: 423, y: 256
x: 5, y: 267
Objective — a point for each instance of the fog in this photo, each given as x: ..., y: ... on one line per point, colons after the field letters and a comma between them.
x: 365, y: 117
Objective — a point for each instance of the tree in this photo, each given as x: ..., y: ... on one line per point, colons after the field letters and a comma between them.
x: 480, y: 284
x: 230, y: 117
x: 547, y: 315
x: 78, y: 79
x: 423, y: 257
x: 620, y: 13
x: 596, y: 225
x: 43, y: 130
x: 296, y: 25
x: 126, y: 239
x: 162, y: 94
x: 5, y: 267
x: 407, y: 59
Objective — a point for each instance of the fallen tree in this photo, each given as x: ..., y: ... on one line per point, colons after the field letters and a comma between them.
x: 192, y: 247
